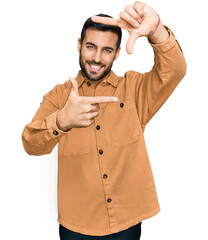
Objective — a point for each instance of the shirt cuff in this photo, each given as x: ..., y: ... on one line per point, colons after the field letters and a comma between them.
x: 53, y: 129
x: 167, y: 45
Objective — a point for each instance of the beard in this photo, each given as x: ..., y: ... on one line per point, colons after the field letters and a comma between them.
x: 84, y: 70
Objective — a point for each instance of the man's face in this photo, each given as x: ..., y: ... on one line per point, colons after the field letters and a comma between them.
x: 97, y: 53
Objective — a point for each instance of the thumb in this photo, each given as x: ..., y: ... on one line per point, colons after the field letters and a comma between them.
x: 74, y: 89
x: 130, y: 42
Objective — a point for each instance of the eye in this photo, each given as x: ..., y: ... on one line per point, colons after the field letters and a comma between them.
x: 107, y: 51
x: 90, y: 47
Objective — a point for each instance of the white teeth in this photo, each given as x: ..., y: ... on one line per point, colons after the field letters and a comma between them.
x: 96, y: 67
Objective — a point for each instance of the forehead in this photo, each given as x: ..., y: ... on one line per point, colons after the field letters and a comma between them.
x: 100, y: 38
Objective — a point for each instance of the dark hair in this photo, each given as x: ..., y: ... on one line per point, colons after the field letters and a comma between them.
x: 102, y: 27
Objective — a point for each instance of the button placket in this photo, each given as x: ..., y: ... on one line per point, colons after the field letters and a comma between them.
x: 102, y: 158
x: 102, y: 154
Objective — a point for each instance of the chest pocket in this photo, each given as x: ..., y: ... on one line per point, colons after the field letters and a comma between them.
x: 124, y: 123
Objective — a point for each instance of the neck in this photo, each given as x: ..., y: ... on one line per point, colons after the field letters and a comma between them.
x: 96, y: 82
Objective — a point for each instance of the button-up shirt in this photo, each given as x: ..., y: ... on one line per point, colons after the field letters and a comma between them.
x: 105, y: 181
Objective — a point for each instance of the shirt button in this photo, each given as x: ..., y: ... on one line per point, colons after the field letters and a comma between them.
x: 121, y: 105
x: 101, y: 151
x: 88, y: 83
x: 109, y: 200
x: 55, y: 133
x: 98, y: 127
x: 105, y: 176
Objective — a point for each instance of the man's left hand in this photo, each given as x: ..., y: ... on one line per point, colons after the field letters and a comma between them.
x: 138, y: 19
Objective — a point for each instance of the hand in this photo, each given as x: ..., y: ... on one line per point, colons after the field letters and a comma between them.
x: 79, y: 111
x: 138, y: 19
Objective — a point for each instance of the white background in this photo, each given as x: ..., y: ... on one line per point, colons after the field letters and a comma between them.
x: 38, y: 49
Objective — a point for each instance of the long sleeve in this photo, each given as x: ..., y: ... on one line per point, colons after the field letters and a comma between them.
x: 42, y: 134
x: 153, y: 88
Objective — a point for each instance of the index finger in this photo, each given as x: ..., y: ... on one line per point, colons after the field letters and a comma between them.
x: 103, y: 99
x: 105, y: 20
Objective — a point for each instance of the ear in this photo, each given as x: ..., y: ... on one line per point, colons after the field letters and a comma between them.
x: 117, y: 53
x: 79, y: 45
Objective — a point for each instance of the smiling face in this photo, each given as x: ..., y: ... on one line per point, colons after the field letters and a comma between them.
x: 97, y: 53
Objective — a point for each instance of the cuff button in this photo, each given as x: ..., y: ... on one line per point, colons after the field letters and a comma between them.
x: 55, y: 133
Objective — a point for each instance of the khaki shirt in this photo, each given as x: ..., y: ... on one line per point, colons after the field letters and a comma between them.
x: 105, y: 181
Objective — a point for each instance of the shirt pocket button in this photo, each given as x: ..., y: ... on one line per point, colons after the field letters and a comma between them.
x: 121, y: 105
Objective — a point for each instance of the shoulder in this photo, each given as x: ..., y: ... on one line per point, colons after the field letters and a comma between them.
x: 132, y: 75
x: 59, y: 94
x: 59, y: 89
x: 133, y: 78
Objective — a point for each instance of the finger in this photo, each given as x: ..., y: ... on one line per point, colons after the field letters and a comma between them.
x: 105, y: 20
x: 139, y: 6
x: 87, y: 123
x: 88, y: 108
x: 103, y: 99
x: 127, y: 18
x: 94, y: 115
x: 94, y: 107
x: 140, y: 12
x: 74, y: 89
x: 129, y: 9
x: 96, y: 104
x: 91, y: 116
x: 130, y: 42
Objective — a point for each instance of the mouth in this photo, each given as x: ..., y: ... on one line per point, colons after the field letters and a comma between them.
x: 95, y: 67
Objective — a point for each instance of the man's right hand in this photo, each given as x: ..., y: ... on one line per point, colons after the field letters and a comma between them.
x: 79, y: 111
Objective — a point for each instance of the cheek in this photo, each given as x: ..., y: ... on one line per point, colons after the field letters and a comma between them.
x: 86, y: 55
x: 109, y: 60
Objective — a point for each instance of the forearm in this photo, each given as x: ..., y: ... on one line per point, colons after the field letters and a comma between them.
x: 41, y: 136
x: 169, y: 61
x: 153, y: 88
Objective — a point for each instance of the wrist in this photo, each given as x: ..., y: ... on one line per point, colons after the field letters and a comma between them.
x: 160, y: 35
x: 156, y: 26
x: 60, y: 122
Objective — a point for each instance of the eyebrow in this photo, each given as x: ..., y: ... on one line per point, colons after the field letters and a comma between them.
x: 90, y: 43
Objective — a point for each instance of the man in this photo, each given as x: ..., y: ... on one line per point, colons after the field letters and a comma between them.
x: 105, y: 183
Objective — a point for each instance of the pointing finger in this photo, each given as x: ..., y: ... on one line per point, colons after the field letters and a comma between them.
x: 103, y: 99
x: 105, y: 20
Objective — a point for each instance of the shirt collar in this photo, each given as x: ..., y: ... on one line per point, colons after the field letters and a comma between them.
x: 111, y: 78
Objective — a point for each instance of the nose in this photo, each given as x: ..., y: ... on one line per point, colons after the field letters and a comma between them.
x: 97, y: 56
